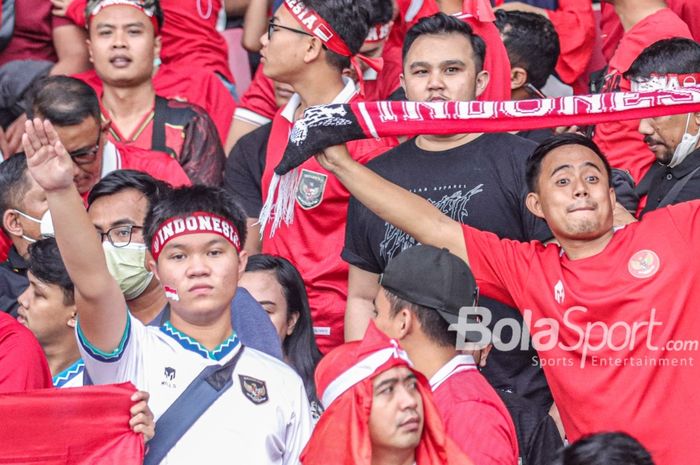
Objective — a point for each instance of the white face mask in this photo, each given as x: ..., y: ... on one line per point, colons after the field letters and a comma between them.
x: 127, y: 265
x: 45, y: 225
x: 686, y: 146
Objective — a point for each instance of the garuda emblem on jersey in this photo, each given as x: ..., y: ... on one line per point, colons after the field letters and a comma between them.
x: 254, y: 389
x: 644, y: 264
x: 310, y: 191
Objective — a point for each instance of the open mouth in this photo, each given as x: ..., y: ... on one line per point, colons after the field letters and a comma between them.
x: 120, y: 61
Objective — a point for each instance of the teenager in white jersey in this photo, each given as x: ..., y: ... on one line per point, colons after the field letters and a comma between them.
x: 196, y: 236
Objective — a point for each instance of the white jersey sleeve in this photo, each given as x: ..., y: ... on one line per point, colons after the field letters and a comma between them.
x: 122, y: 364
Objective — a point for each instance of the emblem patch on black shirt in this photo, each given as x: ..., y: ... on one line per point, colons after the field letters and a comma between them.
x: 254, y: 389
x: 310, y: 191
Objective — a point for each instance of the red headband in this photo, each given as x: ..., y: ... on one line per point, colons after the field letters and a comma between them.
x: 669, y: 81
x: 195, y: 223
x: 318, y: 27
x: 379, y: 32
x: 106, y: 3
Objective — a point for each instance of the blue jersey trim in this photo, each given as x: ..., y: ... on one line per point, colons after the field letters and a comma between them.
x: 99, y: 355
x: 221, y: 351
x: 69, y: 373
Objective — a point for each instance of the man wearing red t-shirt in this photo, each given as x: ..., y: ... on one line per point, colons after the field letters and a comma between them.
x: 194, y: 57
x: 257, y: 106
x: 311, y: 64
x: 610, y: 310
x: 23, y: 365
x: 644, y: 22
x: 422, y: 290
x: 124, y: 39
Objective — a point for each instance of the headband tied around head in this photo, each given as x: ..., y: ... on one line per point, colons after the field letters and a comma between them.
x: 194, y: 223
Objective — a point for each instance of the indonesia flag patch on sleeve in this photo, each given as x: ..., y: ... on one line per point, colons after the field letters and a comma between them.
x: 171, y: 293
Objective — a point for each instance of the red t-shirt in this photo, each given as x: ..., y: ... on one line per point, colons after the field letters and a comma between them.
x: 189, y: 37
x: 157, y: 164
x: 574, y: 21
x: 23, y: 366
x: 314, y: 240
x: 621, y: 141
x: 469, y: 405
x: 190, y: 85
x: 618, y: 331
x: 612, y: 31
x: 32, y: 38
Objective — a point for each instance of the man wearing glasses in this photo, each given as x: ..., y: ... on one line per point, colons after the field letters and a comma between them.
x: 117, y: 206
x: 73, y: 108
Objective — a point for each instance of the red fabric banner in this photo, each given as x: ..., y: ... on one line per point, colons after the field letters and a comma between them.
x: 73, y: 426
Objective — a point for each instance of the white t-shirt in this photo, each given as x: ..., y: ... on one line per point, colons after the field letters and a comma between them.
x: 263, y: 418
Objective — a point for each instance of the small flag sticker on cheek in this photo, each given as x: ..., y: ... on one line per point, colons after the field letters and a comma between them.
x: 171, y: 293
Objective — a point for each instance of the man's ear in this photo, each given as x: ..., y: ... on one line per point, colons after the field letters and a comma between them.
x: 157, y: 46
x: 405, y: 322
x: 89, y: 47
x: 518, y: 78
x: 313, y: 50
x: 485, y: 355
x: 402, y: 80
x: 11, y: 223
x: 532, y: 201
x: 73, y: 321
x: 242, y: 262
x: 482, y: 80
x: 152, y: 265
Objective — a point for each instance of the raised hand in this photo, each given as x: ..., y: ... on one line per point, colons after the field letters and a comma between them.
x: 47, y: 159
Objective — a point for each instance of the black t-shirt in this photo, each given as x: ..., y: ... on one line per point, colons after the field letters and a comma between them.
x: 660, y: 179
x: 244, y: 169
x: 13, y: 281
x: 481, y: 184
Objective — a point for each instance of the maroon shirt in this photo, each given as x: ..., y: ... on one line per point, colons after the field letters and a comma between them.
x: 32, y: 38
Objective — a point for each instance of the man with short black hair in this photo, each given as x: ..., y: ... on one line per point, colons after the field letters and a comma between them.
x: 533, y: 50
x: 476, y: 179
x: 308, y: 45
x: 124, y: 39
x: 583, y: 296
x: 74, y: 110
x: 196, y: 236
x: 421, y: 293
x: 675, y: 139
x: 24, y: 218
x: 47, y: 308
x: 117, y: 206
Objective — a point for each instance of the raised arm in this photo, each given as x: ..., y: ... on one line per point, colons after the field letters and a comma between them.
x: 101, y: 305
x: 399, y: 207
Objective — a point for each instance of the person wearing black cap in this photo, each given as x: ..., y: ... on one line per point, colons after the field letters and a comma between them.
x: 421, y: 293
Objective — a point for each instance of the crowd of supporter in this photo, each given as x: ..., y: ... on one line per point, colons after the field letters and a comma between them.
x: 183, y: 281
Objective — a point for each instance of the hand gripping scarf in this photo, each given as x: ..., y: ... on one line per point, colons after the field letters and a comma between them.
x: 344, y: 380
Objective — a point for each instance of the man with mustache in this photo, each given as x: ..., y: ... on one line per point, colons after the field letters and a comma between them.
x: 674, y: 139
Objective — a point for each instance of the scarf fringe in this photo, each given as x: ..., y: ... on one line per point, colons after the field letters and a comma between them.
x: 280, y: 201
